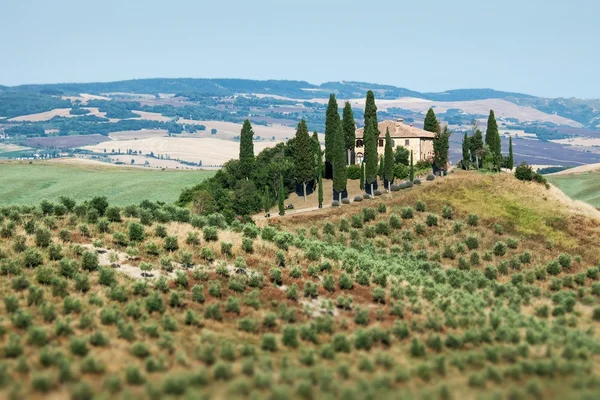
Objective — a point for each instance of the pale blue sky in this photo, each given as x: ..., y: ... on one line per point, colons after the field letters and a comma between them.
x: 546, y: 48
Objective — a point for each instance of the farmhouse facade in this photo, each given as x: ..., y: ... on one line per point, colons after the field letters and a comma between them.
x: 417, y: 140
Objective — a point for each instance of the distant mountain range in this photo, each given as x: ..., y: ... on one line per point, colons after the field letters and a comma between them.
x: 584, y: 111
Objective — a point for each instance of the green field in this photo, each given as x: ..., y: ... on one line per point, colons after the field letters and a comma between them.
x: 24, y: 183
x: 584, y: 187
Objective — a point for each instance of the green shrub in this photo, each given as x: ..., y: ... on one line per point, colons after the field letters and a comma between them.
x: 406, y: 213
x: 210, y: 233
x: 268, y: 343
x: 499, y: 249
x: 431, y: 220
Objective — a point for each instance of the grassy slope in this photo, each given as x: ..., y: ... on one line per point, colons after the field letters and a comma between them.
x: 468, y: 372
x: 584, y: 187
x: 24, y: 183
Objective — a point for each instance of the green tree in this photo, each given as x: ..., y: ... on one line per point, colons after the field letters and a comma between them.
x: 370, y: 139
x: 267, y: 200
x: 340, y: 173
x: 388, y: 160
x: 511, y: 160
x: 318, y: 154
x: 401, y: 155
x: 246, y: 148
x: 412, y: 167
x: 304, y: 167
x: 370, y: 110
x: 431, y: 123
x: 466, y: 152
x: 332, y: 126
x: 441, y: 146
x: 476, y: 144
x: 362, y: 176
x: 281, y: 196
x: 320, y: 190
x: 349, y: 128
x: 492, y: 139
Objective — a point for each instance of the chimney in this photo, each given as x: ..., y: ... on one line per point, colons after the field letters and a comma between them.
x: 399, y: 121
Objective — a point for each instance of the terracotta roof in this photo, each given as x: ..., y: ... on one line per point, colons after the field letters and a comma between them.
x: 398, y: 129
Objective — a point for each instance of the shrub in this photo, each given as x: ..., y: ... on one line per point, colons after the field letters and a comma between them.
x: 89, y: 261
x: 268, y: 343
x: 565, y: 261
x: 499, y: 249
x: 553, y: 268
x: 431, y: 220
x: 420, y: 206
x: 136, y: 232
x: 407, y: 213
x: 32, y: 258
x: 210, y: 233
x: 170, y: 243
x: 447, y: 212
x: 78, y: 346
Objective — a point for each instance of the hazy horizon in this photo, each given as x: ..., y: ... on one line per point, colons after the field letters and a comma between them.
x: 536, y: 47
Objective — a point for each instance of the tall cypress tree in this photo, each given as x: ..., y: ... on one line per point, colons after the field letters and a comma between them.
x: 511, y: 160
x: 320, y: 190
x: 370, y: 110
x: 492, y: 139
x: 340, y: 173
x: 412, y: 167
x: 441, y: 145
x: 388, y: 160
x: 371, y: 154
x: 332, y: 125
x: 466, y: 152
x: 476, y: 146
x: 267, y: 201
x: 317, y: 154
x: 362, y: 176
x: 246, y: 148
x: 281, y: 196
x: 431, y: 123
x: 349, y: 128
x: 304, y: 160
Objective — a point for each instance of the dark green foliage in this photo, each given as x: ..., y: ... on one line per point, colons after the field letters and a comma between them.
x: 492, y: 139
x: 340, y: 173
x: 246, y: 148
x: 332, y: 127
x: 349, y: 129
x: 389, y: 160
x: 89, y: 261
x: 371, y: 158
x: 441, y: 145
x: 281, y: 196
x: 511, y: 160
x: 431, y: 123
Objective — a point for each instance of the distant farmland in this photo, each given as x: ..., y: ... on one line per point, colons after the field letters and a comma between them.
x: 584, y: 186
x: 24, y: 183
x: 66, y: 142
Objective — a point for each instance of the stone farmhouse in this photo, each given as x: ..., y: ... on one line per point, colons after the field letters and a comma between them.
x: 415, y: 139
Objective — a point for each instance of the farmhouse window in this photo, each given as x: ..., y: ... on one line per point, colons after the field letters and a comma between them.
x: 380, y: 142
x: 359, y: 143
x: 406, y: 142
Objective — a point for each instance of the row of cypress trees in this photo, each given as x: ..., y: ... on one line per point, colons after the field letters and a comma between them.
x: 474, y: 149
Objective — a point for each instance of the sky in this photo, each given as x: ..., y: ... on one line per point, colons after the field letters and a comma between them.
x: 545, y: 48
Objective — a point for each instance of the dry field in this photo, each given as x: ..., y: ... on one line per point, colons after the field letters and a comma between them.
x: 210, y: 151
x: 579, y: 142
x: 5, y: 148
x: 502, y: 108
x: 136, y: 135
x: 578, y: 170
x: 228, y: 130
x: 58, y: 112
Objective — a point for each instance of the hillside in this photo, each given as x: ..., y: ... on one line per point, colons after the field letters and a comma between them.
x: 472, y: 286
x: 579, y: 183
x: 23, y: 183
x: 582, y: 111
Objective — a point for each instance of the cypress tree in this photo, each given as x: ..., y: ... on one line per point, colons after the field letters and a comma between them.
x: 304, y: 160
x: 318, y: 154
x: 340, y: 173
x: 246, y: 148
x: 349, y: 128
x: 476, y: 144
x: 267, y: 201
x: 431, y: 123
x: 332, y: 125
x: 492, y: 139
x: 370, y: 110
x: 388, y: 160
x: 412, y: 167
x: 511, y: 160
x: 362, y: 176
x: 466, y: 152
x: 371, y: 154
x: 280, y: 196
x: 320, y: 191
x: 441, y: 146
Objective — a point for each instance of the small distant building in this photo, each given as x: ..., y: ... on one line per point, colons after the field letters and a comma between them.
x: 415, y: 139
